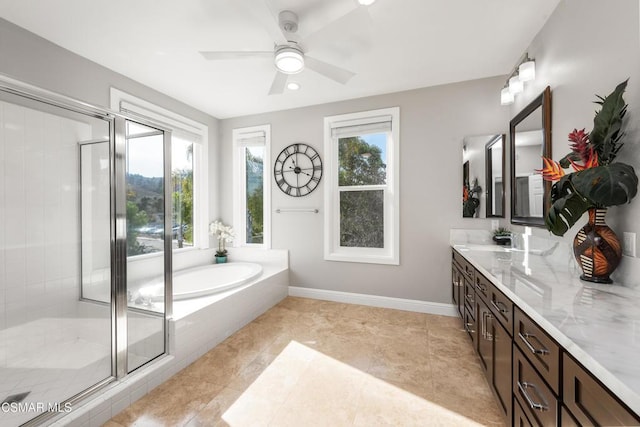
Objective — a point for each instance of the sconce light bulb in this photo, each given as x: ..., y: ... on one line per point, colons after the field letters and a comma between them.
x: 515, y: 85
x: 527, y: 71
x: 506, y: 97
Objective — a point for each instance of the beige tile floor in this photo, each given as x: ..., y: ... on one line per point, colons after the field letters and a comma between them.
x: 317, y: 363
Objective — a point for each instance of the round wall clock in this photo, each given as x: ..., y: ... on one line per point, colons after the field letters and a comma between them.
x: 298, y: 170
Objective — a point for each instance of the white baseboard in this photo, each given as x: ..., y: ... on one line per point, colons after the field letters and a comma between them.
x: 375, y: 301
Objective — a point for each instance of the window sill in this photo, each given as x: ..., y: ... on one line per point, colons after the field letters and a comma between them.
x: 366, y: 259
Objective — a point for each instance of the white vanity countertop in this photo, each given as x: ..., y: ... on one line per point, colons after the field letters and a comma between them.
x: 598, y: 324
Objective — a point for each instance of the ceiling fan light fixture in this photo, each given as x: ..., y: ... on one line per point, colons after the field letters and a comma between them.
x: 366, y: 2
x: 289, y: 60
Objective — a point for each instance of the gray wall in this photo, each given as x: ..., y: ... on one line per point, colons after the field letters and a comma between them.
x: 433, y: 122
x: 587, y: 47
x: 34, y: 60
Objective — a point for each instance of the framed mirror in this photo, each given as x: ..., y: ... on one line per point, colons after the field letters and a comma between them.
x: 530, y: 135
x: 494, y: 166
x: 476, y: 191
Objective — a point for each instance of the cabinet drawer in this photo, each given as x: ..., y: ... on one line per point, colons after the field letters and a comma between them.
x: 456, y: 287
x: 502, y: 308
x: 566, y: 420
x: 469, y: 296
x: 519, y: 417
x: 535, y: 397
x: 465, y: 268
x: 483, y: 286
x: 469, y: 324
x: 589, y: 402
x: 539, y: 348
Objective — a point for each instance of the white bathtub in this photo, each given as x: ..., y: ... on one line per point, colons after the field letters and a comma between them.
x: 202, y: 281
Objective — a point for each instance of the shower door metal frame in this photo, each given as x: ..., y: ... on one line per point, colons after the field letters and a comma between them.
x: 118, y: 232
x: 119, y: 274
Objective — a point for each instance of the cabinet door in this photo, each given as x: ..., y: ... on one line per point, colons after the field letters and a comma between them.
x: 456, y: 286
x: 502, y: 356
x: 566, y: 420
x: 589, y: 402
x: 534, y: 395
x: 519, y: 417
x: 541, y: 350
x: 485, y: 337
x: 469, y: 324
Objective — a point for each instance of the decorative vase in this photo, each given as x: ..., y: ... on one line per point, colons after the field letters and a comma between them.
x: 597, y: 248
x: 221, y: 259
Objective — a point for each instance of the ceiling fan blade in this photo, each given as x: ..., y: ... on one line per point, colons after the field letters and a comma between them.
x: 351, y: 30
x: 333, y: 72
x: 279, y: 82
x: 213, y: 56
x: 260, y: 11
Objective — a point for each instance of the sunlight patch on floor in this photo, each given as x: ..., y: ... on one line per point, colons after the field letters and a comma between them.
x: 305, y: 387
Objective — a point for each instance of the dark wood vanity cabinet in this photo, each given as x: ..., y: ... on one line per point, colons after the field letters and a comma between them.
x: 494, y: 344
x: 533, y: 394
x: 536, y: 383
x: 457, y: 283
x: 589, y: 402
x: 461, y: 274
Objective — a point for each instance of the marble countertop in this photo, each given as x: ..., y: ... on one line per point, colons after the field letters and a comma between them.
x: 599, y: 325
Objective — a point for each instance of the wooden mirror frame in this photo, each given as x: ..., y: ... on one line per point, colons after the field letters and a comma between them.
x: 544, y: 101
x: 489, y: 176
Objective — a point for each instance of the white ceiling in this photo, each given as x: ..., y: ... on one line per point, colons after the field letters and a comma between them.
x: 397, y: 45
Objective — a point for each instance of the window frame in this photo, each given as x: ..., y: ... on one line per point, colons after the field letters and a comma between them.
x: 240, y: 184
x: 390, y: 253
x: 137, y: 107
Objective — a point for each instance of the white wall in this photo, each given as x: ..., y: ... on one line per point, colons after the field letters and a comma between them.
x: 587, y: 47
x: 34, y: 60
x: 434, y: 122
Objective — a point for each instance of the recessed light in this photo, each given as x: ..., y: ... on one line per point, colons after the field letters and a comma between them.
x: 293, y: 86
x: 366, y: 2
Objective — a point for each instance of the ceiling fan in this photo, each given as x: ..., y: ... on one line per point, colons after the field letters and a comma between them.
x: 288, y: 54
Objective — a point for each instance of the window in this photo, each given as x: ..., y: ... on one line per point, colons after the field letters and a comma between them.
x: 182, y: 190
x: 252, y: 178
x: 189, y: 174
x: 361, y: 191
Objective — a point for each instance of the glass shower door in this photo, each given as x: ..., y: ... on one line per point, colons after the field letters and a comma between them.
x: 147, y: 240
x: 54, y: 344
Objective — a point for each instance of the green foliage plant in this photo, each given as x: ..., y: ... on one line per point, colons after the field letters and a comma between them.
x: 597, y: 182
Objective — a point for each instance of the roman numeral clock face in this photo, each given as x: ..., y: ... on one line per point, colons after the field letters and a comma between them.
x: 298, y: 170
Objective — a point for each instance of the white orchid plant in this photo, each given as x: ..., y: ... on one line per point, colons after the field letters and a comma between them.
x: 224, y: 234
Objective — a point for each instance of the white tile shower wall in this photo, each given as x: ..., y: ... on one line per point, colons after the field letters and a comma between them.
x: 39, y: 234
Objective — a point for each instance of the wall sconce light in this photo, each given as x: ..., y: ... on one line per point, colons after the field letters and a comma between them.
x: 506, y: 97
x: 525, y: 71
x: 515, y: 85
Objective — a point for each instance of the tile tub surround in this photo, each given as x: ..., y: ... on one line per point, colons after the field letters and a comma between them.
x: 311, y: 362
x: 197, y: 326
x: 599, y: 325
